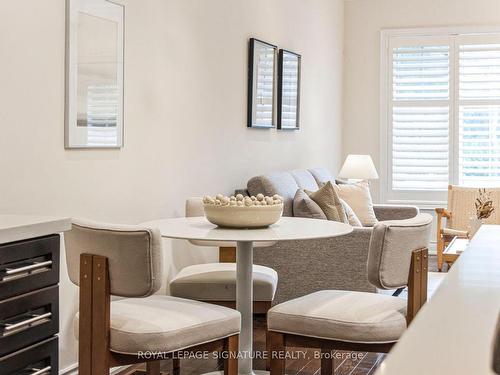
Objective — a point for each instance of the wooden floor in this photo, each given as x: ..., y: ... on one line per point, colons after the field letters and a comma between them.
x: 305, y: 364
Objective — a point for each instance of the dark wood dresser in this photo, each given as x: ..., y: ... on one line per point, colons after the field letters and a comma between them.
x: 29, y: 294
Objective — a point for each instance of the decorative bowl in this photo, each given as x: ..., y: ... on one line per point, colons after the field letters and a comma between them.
x: 243, y: 212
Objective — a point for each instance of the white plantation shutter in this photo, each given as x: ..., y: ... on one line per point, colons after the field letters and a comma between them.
x: 264, y: 94
x: 420, y: 72
x: 420, y: 147
x: 442, y: 113
x: 479, y: 113
x: 420, y: 116
x: 289, y: 92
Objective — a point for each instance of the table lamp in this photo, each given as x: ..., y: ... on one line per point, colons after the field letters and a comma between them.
x: 358, y: 167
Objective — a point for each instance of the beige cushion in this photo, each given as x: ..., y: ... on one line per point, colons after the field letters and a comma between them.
x: 166, y: 324
x: 326, y: 198
x: 351, y: 215
x: 341, y: 315
x: 217, y: 282
x: 359, y: 198
x: 391, y: 245
x: 304, y: 206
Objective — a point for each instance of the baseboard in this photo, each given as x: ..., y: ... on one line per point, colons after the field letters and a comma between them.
x: 73, y: 370
x: 70, y: 370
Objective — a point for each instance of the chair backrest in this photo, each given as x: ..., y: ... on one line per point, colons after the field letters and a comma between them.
x: 391, y: 247
x: 461, y: 205
x: 134, y: 255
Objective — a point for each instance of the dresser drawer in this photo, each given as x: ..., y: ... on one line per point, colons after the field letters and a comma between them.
x: 28, y: 265
x: 38, y: 359
x: 28, y: 318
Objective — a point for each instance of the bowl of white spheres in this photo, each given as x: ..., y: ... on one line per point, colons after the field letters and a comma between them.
x: 243, y: 212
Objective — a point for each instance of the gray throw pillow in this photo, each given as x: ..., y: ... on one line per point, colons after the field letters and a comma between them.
x: 304, y: 206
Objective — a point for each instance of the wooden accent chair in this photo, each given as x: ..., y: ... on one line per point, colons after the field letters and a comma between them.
x: 461, y: 207
x: 126, y: 261
x: 216, y: 282
x: 359, y: 321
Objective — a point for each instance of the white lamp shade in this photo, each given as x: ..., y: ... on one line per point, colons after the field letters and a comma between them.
x: 358, y: 167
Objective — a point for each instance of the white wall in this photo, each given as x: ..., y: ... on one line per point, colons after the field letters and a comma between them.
x: 363, y: 21
x: 185, y: 111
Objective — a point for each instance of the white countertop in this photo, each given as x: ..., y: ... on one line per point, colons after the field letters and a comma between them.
x: 287, y: 228
x: 453, y: 333
x: 21, y: 227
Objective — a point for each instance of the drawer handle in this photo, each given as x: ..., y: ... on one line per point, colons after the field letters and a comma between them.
x: 34, y: 319
x: 41, y: 371
x: 12, y: 271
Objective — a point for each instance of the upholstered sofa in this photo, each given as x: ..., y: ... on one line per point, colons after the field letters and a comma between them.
x: 332, y: 263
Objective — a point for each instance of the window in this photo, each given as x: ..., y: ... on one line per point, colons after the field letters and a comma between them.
x: 441, y: 112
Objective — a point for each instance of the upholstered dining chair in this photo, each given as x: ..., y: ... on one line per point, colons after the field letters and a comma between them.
x: 216, y: 282
x: 126, y: 261
x: 359, y: 321
x: 460, y: 209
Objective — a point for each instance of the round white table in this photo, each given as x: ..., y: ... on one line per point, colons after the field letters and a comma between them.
x: 287, y: 228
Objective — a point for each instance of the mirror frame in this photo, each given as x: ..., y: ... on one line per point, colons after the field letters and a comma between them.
x: 251, y: 80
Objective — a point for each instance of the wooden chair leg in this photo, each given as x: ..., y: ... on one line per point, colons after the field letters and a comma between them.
x: 176, y: 366
x: 85, y: 318
x: 276, y: 344
x: 439, y: 251
x: 326, y: 362
x: 153, y: 368
x: 268, y: 351
x: 221, y: 363
x: 93, y: 351
x: 417, y: 283
x: 100, y: 316
x: 231, y: 363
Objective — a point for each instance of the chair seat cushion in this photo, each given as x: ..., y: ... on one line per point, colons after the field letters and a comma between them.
x: 166, y: 324
x: 217, y: 282
x: 342, y: 316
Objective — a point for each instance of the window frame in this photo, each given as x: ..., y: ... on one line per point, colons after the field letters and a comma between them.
x: 422, y: 198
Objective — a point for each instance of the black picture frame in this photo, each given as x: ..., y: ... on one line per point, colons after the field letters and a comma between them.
x: 283, y: 53
x: 252, y: 121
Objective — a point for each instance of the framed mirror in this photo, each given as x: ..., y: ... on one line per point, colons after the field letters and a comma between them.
x: 288, y: 90
x: 94, y: 74
x: 261, y: 86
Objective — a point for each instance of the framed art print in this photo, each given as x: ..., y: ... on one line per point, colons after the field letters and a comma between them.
x: 94, y: 74
x: 288, y: 90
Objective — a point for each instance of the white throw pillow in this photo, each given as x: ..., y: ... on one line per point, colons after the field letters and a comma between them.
x: 358, y: 197
x: 351, y: 215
